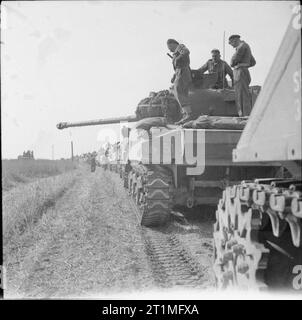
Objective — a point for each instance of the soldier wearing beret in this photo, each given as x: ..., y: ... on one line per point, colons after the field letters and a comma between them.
x: 241, y: 61
x: 182, y: 77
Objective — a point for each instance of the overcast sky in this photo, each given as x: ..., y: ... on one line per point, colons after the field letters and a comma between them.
x: 80, y: 60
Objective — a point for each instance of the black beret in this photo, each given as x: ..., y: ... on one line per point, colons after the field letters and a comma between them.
x: 234, y: 36
x: 172, y: 41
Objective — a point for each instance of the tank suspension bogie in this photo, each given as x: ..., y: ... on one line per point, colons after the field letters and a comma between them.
x: 246, y: 212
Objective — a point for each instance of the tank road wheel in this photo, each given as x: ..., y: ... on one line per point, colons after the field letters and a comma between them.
x: 247, y: 216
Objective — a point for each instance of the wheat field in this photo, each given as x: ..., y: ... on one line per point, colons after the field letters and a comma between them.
x: 16, y: 172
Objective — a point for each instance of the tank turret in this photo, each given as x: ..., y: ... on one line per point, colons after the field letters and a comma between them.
x: 204, y: 101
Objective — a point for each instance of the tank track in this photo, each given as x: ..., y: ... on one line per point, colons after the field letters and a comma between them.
x: 151, y: 187
x: 247, y: 216
x: 171, y: 263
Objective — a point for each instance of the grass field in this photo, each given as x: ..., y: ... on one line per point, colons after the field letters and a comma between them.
x: 24, y: 205
x: 16, y: 172
x: 30, y: 189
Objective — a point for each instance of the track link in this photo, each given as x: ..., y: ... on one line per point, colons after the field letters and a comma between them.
x: 244, y: 214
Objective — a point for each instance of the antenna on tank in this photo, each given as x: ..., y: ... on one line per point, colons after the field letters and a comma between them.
x: 223, y: 58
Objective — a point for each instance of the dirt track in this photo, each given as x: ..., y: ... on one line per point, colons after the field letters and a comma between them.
x: 91, y: 242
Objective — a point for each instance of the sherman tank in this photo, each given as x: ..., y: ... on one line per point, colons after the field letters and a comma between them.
x: 164, y: 165
x: 258, y: 229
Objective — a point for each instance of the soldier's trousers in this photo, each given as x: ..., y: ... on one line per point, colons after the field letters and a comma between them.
x: 181, y: 87
x: 243, y: 98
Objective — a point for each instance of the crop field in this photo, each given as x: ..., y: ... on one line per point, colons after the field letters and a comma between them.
x: 16, y: 172
x: 78, y: 234
x: 31, y: 187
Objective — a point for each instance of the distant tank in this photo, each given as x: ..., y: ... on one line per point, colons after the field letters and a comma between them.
x: 156, y: 158
x: 258, y: 232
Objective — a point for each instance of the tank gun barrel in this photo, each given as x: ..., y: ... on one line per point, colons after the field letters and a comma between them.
x: 64, y: 125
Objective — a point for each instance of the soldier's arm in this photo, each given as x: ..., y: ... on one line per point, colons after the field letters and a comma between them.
x: 252, y: 61
x: 203, y: 68
x: 182, y: 51
x: 246, y: 65
x: 238, y: 55
x: 173, y: 78
x: 228, y: 70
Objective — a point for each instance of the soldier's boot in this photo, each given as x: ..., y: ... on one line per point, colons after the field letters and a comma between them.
x: 187, y: 116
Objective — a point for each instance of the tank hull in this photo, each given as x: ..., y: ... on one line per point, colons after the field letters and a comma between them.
x: 183, y: 183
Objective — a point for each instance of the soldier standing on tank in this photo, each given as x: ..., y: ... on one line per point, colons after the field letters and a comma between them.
x: 182, y: 77
x: 241, y: 61
x: 220, y: 67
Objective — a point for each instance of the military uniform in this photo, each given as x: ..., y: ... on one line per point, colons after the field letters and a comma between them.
x: 182, y: 78
x: 221, y: 68
x: 242, y: 78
